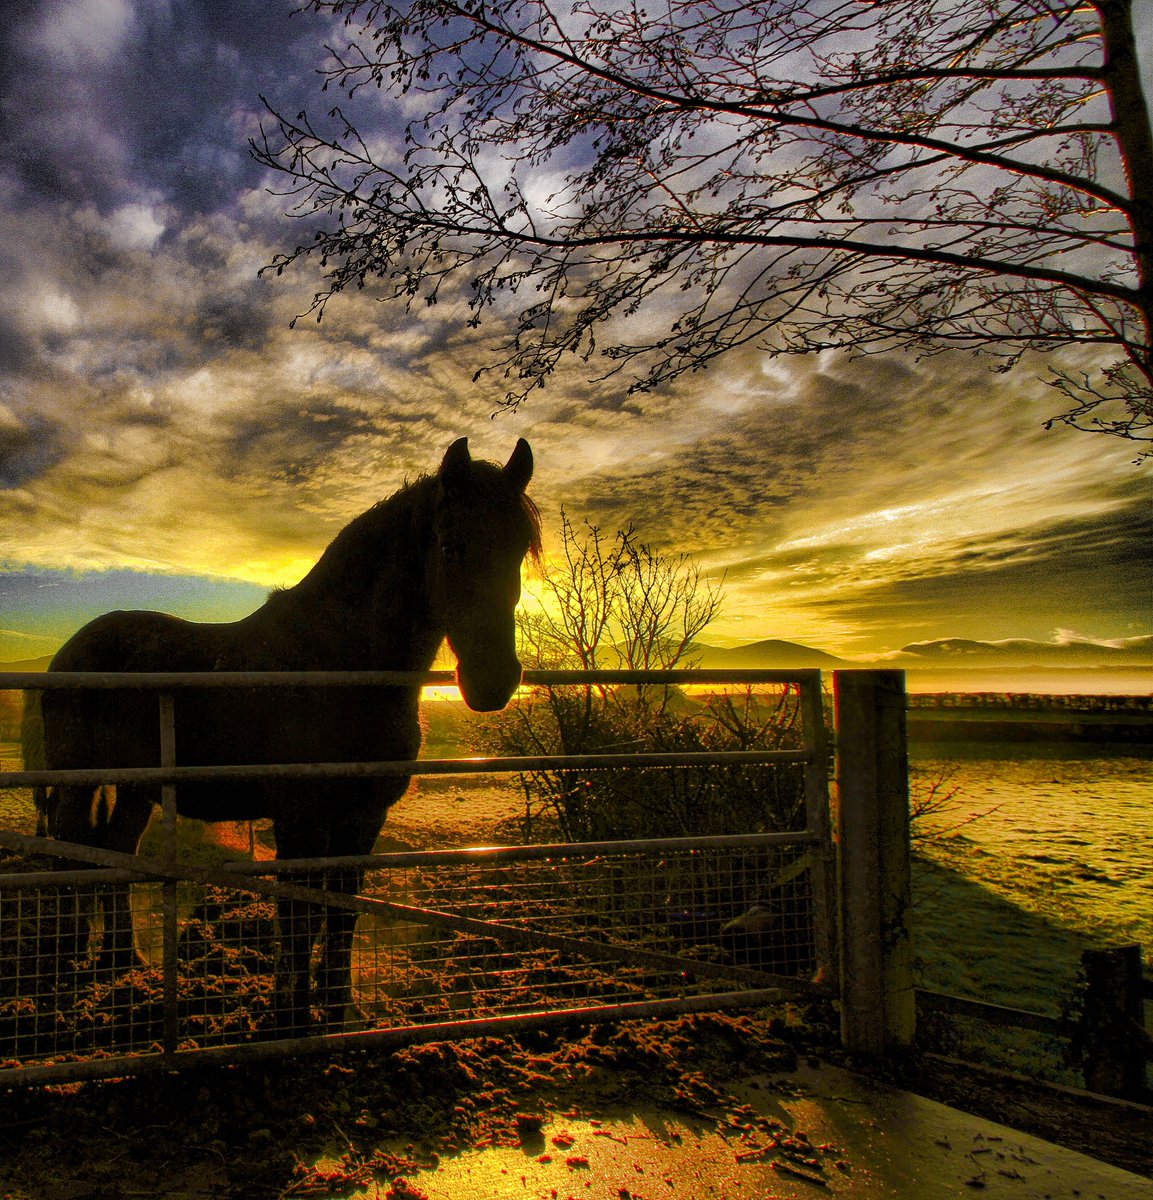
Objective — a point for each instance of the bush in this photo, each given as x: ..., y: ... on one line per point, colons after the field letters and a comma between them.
x: 682, y: 801
x: 622, y: 605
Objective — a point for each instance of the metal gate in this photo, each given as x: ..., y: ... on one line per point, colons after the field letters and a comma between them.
x: 449, y: 943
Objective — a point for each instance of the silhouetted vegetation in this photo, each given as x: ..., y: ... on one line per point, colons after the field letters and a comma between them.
x: 611, y: 604
x: 661, y: 185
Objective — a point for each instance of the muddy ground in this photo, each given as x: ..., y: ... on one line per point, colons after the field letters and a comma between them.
x: 327, y: 1128
x: 370, y: 1123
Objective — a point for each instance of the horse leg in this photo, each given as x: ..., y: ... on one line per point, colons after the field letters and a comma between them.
x: 299, y: 925
x: 122, y: 831
x: 354, y: 837
x: 334, y: 981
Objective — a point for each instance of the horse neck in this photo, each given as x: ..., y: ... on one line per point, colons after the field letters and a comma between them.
x: 365, y: 604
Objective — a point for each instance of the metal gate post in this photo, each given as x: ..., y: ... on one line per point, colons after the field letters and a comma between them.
x: 169, y: 927
x: 824, y: 869
x: 877, y: 996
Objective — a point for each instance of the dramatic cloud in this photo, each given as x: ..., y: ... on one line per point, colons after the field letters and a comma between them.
x: 168, y: 439
x: 859, y: 496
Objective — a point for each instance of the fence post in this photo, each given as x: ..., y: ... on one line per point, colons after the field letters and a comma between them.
x: 1116, y: 1044
x: 877, y: 997
x: 170, y: 925
x: 824, y: 867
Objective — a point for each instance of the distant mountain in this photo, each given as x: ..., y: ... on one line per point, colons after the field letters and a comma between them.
x: 955, y: 652
x: 28, y: 664
x: 766, y: 655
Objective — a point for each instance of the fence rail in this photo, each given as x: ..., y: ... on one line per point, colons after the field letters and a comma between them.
x: 1107, y: 1021
x: 807, y: 680
x: 150, y: 680
x: 995, y: 1014
x: 422, y: 766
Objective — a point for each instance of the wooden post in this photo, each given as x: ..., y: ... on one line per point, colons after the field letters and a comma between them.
x: 1116, y: 1043
x: 878, y: 1010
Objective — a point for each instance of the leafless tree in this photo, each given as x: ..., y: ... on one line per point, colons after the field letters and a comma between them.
x: 611, y: 603
x: 660, y: 181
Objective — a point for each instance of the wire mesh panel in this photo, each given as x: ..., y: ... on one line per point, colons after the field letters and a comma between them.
x: 441, y: 937
x: 573, y: 930
x: 107, y: 958
x: 61, y: 998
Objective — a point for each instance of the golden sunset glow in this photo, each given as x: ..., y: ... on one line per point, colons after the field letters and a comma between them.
x: 168, y: 440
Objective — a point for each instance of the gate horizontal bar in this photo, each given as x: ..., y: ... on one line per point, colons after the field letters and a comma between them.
x: 535, y: 852
x: 27, y: 881
x: 466, y: 856
x: 373, y: 1039
x: 371, y: 770
x: 117, y: 680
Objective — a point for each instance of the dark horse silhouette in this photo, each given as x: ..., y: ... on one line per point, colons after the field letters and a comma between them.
x: 442, y: 557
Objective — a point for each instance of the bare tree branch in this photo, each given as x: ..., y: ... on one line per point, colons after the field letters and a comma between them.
x: 919, y: 174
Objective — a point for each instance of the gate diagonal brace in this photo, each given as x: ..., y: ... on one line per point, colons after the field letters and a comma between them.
x: 513, y: 935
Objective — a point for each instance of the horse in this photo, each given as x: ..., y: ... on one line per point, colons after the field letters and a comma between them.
x: 441, y: 558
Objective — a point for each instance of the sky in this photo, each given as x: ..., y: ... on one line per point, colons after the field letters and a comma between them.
x: 168, y: 440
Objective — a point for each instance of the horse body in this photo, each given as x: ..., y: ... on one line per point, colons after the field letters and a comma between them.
x: 440, y: 558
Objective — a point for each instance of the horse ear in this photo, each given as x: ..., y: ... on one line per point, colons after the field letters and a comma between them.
x: 518, y: 469
x: 454, y: 467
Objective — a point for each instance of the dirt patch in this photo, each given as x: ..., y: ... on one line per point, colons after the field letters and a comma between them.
x: 300, y: 1128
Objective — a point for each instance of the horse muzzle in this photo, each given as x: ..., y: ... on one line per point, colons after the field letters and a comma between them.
x: 490, y: 690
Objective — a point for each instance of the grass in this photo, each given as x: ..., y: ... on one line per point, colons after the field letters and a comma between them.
x: 995, y: 928
x: 1006, y: 955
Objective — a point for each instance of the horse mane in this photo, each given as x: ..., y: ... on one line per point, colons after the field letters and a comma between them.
x: 350, y: 553
x: 536, y: 544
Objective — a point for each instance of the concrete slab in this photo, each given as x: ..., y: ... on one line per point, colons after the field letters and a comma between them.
x: 822, y: 1131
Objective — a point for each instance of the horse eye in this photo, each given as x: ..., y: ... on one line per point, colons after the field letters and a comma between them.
x: 452, y: 549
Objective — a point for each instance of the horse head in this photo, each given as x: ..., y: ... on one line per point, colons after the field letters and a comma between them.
x: 484, y: 526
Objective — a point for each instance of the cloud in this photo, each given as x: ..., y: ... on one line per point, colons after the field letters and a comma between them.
x: 107, y: 99
x: 1075, y: 651
x: 852, y: 495
x: 1023, y: 585
x: 27, y: 447
x: 157, y: 412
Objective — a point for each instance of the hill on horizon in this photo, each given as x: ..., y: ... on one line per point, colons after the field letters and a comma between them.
x: 766, y: 655
x: 28, y: 664
x: 1026, y: 652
